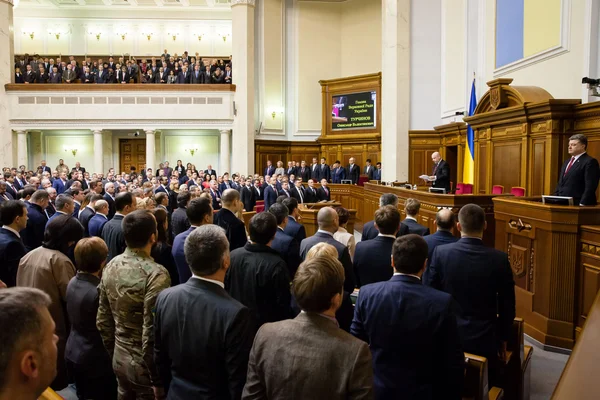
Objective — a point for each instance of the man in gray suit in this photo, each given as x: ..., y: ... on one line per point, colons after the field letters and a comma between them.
x: 333, y: 364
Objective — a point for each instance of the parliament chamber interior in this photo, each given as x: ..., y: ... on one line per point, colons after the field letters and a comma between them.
x: 439, y: 158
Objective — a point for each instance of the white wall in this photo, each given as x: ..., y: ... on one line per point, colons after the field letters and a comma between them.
x: 178, y: 143
x: 360, y: 37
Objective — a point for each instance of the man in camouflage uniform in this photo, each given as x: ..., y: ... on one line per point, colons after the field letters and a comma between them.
x: 128, y: 290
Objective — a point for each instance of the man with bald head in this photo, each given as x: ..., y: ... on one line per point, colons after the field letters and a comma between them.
x: 328, y: 222
x: 226, y: 218
x: 441, y: 173
x: 444, y: 222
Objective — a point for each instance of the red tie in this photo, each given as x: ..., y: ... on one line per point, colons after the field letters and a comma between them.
x: 570, y: 164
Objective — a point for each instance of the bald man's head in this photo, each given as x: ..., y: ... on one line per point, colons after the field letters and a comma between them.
x: 327, y: 218
x: 445, y: 219
x: 436, y: 157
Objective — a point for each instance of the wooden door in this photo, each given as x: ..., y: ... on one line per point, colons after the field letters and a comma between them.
x: 132, y: 153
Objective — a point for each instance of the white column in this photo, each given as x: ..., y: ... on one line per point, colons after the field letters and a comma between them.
x: 224, y: 155
x: 395, y: 89
x: 22, y: 149
x: 242, y: 15
x: 6, y: 76
x: 98, y: 151
x: 150, y: 149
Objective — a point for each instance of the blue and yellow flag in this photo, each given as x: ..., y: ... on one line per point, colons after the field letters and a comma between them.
x: 469, y: 164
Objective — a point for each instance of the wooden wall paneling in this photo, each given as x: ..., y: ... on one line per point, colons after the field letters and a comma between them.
x: 588, y: 274
x: 481, y: 167
x: 506, y: 164
x: 538, y: 167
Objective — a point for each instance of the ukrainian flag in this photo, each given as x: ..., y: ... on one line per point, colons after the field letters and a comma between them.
x: 469, y: 165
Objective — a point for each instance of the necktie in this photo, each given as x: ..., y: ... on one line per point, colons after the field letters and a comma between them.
x: 435, y: 168
x: 326, y: 191
x: 301, y: 197
x: 570, y: 165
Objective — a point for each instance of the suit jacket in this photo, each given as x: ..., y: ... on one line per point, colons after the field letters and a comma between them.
x: 19, y: 78
x: 87, y: 79
x: 218, y: 336
x: 96, y: 224
x: 581, y: 181
x: 353, y: 173
x: 46, y: 169
x: 442, y: 174
x: 196, y: 80
x: 210, y: 172
x: 183, y: 77
x: 183, y: 268
x: 371, y: 232
x: 323, y: 194
x: 206, y: 79
x: 41, y: 77
x: 481, y: 281
x: 112, y: 234
x: 310, y: 357
x: 234, y: 228
x: 54, y: 77
x: 311, y: 195
x: 295, y: 230
x: 179, y: 221
x: 338, y: 175
x: 298, y: 194
x: 258, y: 195
x: 29, y: 76
x: 415, y: 227
x: 289, y: 249
x: 377, y: 174
x: 11, y: 251
x: 343, y: 255
x: 290, y: 171
x: 223, y: 186
x: 248, y: 197
x: 101, y: 77
x: 269, y: 171
x: 368, y: 170
x: 324, y: 172
x: 10, y: 190
x: 59, y: 186
x: 304, y: 173
x: 69, y: 75
x: 216, y: 199
x: 33, y: 234
x: 418, y: 355
x: 436, y: 239
x: 258, y: 278
x: 373, y: 260
x: 85, y: 216
x: 111, y: 206
x: 84, y: 345
x: 270, y: 195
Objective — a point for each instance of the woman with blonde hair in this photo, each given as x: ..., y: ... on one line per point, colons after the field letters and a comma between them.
x: 279, y: 170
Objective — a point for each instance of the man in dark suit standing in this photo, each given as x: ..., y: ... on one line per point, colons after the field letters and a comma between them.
x: 324, y: 170
x: 481, y: 281
x: 377, y: 172
x: 215, y: 194
x: 210, y: 171
x: 86, y: 214
x: 291, y: 170
x: 579, y: 175
x: 419, y: 354
x: 179, y: 220
x: 372, y: 258
x: 99, y: 219
x: 45, y: 168
x: 314, y: 169
x: 411, y: 208
x: 258, y: 190
x: 196, y: 77
x: 235, y: 230
x: 293, y: 228
x: 338, y: 174
x: 13, y: 216
x: 112, y: 232
x: 33, y: 234
x: 60, y: 184
x: 219, y: 332
x: 247, y: 195
x: 353, y: 171
x: 298, y: 192
x: 109, y: 196
x: 270, y: 170
x: 310, y: 356
x: 270, y: 193
x: 303, y: 172
x: 444, y: 221
x: 368, y: 170
x: 440, y: 176
x: 311, y: 192
x: 184, y: 76
x: 370, y: 231
x: 286, y: 245
x: 323, y: 193
x: 327, y: 219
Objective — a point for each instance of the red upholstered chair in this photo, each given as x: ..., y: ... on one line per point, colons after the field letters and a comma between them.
x: 517, y: 191
x: 464, y: 188
x: 497, y: 189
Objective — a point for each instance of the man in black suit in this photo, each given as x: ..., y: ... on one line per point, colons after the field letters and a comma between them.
x: 368, y: 170
x: 440, y: 176
x: 298, y: 192
x: 41, y: 76
x: 184, y: 76
x: 372, y: 258
x: 411, y: 208
x: 4, y: 195
x: 323, y: 193
x: 579, y: 175
x: 196, y: 76
x: 481, y: 281
x: 287, y: 246
x: 33, y: 234
x: 353, y: 171
x: 270, y: 193
x: 248, y: 195
x: 270, y: 169
x: 209, y: 170
x: 327, y: 219
x: 215, y: 194
x: 45, y: 168
x: 418, y: 355
x: 314, y: 169
x: 78, y: 168
x: 8, y: 183
x: 258, y: 277
x: 179, y: 220
x: 87, y: 360
x: 311, y: 192
x: 293, y: 228
x: 370, y: 231
x: 88, y: 212
x: 324, y: 170
x: 290, y: 170
x: 219, y: 332
x: 258, y: 190
x: 444, y: 221
x: 206, y: 76
x: 235, y: 230
x: 13, y: 216
x: 303, y: 172
x: 29, y: 76
x: 109, y: 196
x: 112, y: 232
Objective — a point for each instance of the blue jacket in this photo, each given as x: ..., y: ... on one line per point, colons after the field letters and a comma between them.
x: 373, y: 260
x: 270, y: 197
x: 437, y: 239
x: 338, y: 175
x: 295, y: 230
x: 182, y: 266
x: 411, y: 330
x: 59, y: 185
x: 96, y: 224
x: 33, y: 234
x: 289, y: 249
x: 11, y: 251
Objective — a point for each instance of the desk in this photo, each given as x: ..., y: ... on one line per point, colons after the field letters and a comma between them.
x: 546, y: 245
x: 308, y: 216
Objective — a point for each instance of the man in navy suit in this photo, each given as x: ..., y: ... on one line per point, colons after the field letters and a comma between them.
x: 64, y: 206
x: 227, y: 184
x: 33, y: 234
x: 377, y: 172
x: 270, y: 193
x: 13, y: 216
x: 293, y: 228
x: 45, y: 168
x: 99, y: 219
x: 579, y: 175
x: 481, y: 281
x: 353, y: 171
x: 270, y: 170
x: 286, y: 245
x: 339, y: 173
x: 209, y: 170
x: 109, y: 196
x: 370, y: 231
x: 368, y: 170
x: 60, y: 184
x: 199, y: 212
x: 372, y: 258
x: 444, y: 221
x: 411, y: 208
x: 324, y: 170
x: 215, y: 194
x: 411, y: 330
x: 323, y: 193
x: 226, y: 218
x: 88, y: 212
x: 328, y: 221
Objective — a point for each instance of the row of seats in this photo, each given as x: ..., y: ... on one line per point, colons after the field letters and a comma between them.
x: 467, y: 188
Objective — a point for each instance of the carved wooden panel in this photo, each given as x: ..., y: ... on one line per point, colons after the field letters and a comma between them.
x: 481, y: 167
x: 132, y: 154
x: 538, y: 166
x: 506, y: 165
x: 522, y: 257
